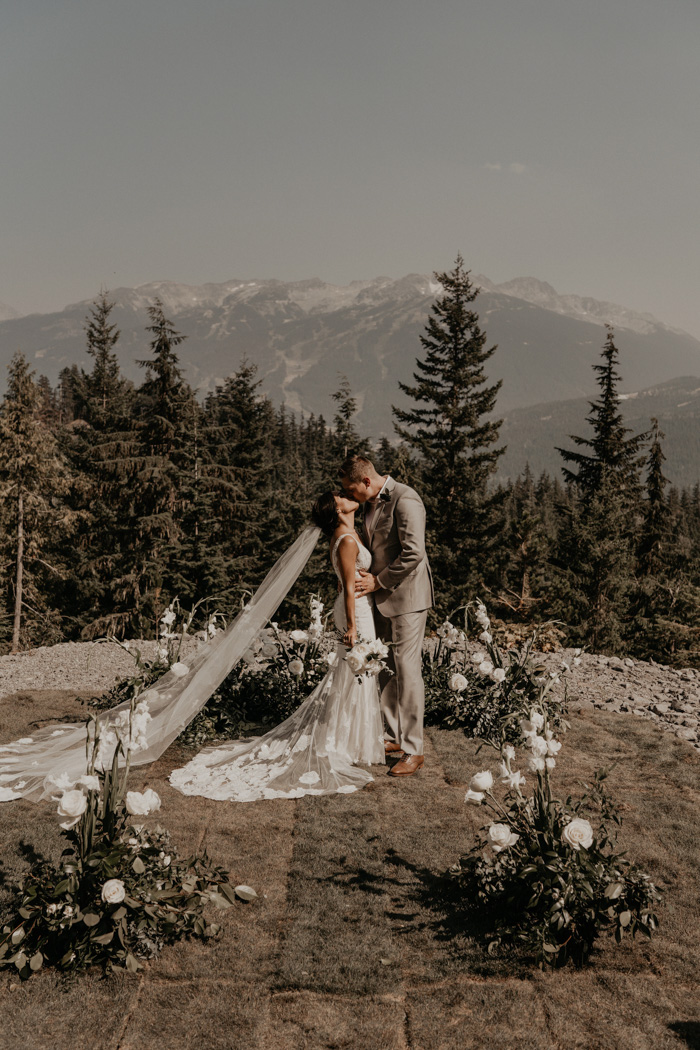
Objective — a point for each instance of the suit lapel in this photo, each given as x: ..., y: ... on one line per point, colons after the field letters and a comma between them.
x: 380, y: 509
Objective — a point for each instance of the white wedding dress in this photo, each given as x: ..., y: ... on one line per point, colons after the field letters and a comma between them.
x: 316, y: 751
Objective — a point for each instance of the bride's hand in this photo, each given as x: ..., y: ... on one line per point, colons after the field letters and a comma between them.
x: 350, y: 637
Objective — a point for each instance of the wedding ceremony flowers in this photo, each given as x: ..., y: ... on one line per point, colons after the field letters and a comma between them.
x: 542, y: 878
x: 479, y: 691
x: 120, y: 892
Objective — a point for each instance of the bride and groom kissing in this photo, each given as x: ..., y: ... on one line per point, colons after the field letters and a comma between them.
x: 400, y: 585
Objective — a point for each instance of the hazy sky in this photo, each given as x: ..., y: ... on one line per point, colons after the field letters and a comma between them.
x: 202, y: 140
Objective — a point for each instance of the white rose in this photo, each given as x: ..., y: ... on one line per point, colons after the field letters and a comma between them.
x: 180, y: 670
x: 140, y: 804
x: 72, y: 805
x: 498, y: 674
x: 536, y: 718
x: 356, y: 662
x: 501, y: 837
x: 296, y: 667
x: 577, y: 833
x: 332, y: 659
x: 477, y: 658
x: 113, y: 891
x: 485, y: 668
x: 458, y: 683
x: 299, y: 637
x: 485, y: 637
x: 269, y: 649
x: 535, y: 764
x: 474, y: 796
x: 482, y: 781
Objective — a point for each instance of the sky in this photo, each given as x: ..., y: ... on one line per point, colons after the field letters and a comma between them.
x: 207, y: 140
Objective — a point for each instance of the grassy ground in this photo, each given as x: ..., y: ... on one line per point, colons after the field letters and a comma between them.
x: 346, y: 948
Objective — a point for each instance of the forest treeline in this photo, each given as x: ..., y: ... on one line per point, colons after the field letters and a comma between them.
x: 117, y: 497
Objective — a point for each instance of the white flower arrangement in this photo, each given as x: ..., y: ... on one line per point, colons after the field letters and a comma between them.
x: 368, y: 659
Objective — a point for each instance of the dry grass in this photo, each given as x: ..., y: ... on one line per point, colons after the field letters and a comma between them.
x: 346, y: 947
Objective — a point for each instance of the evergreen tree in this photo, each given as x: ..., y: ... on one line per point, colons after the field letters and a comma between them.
x: 656, y: 524
x: 30, y: 475
x: 346, y: 439
x: 450, y: 430
x: 597, y: 550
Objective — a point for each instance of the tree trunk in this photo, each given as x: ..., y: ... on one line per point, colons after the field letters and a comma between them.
x: 20, y: 566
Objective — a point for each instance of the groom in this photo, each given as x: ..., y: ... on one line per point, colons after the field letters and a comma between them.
x: 394, y: 531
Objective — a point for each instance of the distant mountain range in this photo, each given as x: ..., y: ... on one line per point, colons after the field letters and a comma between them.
x: 303, y: 335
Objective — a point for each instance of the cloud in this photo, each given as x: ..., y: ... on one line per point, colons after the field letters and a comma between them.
x: 515, y: 167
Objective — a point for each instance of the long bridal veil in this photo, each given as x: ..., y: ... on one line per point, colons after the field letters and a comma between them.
x: 30, y: 766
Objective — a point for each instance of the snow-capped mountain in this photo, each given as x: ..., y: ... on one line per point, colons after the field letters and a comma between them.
x: 302, y: 335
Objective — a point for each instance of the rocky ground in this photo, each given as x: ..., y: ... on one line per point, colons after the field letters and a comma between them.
x: 665, y: 695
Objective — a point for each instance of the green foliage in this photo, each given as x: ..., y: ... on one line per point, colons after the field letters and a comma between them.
x: 484, y: 693
x: 546, y: 897
x: 278, y: 673
x: 540, y: 878
x: 119, y: 892
x: 452, y: 431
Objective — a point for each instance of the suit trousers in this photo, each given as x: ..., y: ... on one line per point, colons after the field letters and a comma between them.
x: 403, y: 693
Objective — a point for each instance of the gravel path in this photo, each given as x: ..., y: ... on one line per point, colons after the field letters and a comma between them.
x: 84, y: 668
x: 665, y: 695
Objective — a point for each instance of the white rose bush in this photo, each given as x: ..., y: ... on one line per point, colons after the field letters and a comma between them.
x: 544, y: 877
x: 479, y: 691
x: 119, y: 892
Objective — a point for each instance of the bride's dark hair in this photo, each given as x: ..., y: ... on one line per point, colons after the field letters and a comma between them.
x: 325, y: 514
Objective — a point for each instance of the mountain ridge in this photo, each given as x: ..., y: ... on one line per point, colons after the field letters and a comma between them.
x: 303, y: 335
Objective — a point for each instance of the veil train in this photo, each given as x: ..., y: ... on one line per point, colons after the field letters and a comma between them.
x: 30, y: 766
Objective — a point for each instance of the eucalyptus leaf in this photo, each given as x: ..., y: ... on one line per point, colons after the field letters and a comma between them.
x: 91, y: 919
x: 138, y: 866
x: 36, y: 961
x: 246, y: 893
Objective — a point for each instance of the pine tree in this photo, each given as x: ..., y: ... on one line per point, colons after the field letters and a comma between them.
x: 656, y: 524
x: 105, y: 390
x: 450, y: 429
x: 162, y: 463
x: 346, y: 439
x: 596, y: 552
x: 612, y: 452
x: 30, y: 475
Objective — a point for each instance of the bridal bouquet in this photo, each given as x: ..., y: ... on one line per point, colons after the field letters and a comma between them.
x: 368, y: 659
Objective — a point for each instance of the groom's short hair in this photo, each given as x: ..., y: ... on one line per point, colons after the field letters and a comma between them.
x: 355, y: 468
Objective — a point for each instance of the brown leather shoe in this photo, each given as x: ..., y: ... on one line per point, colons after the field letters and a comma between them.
x: 407, y: 766
x: 392, y: 748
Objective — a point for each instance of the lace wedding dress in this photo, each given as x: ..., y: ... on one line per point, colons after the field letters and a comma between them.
x: 316, y: 751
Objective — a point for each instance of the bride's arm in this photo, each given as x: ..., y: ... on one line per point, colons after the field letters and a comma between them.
x: 347, y: 559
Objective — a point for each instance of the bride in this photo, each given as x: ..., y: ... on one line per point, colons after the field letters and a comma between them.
x: 318, y: 750
x: 315, y: 750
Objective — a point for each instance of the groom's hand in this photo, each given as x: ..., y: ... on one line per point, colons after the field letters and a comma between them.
x: 366, y: 584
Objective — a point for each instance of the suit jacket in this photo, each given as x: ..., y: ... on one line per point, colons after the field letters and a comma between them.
x: 397, y: 543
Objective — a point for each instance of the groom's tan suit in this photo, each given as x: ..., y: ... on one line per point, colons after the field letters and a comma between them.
x: 395, y: 533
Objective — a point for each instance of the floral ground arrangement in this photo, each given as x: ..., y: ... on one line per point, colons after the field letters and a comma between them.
x: 348, y: 945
